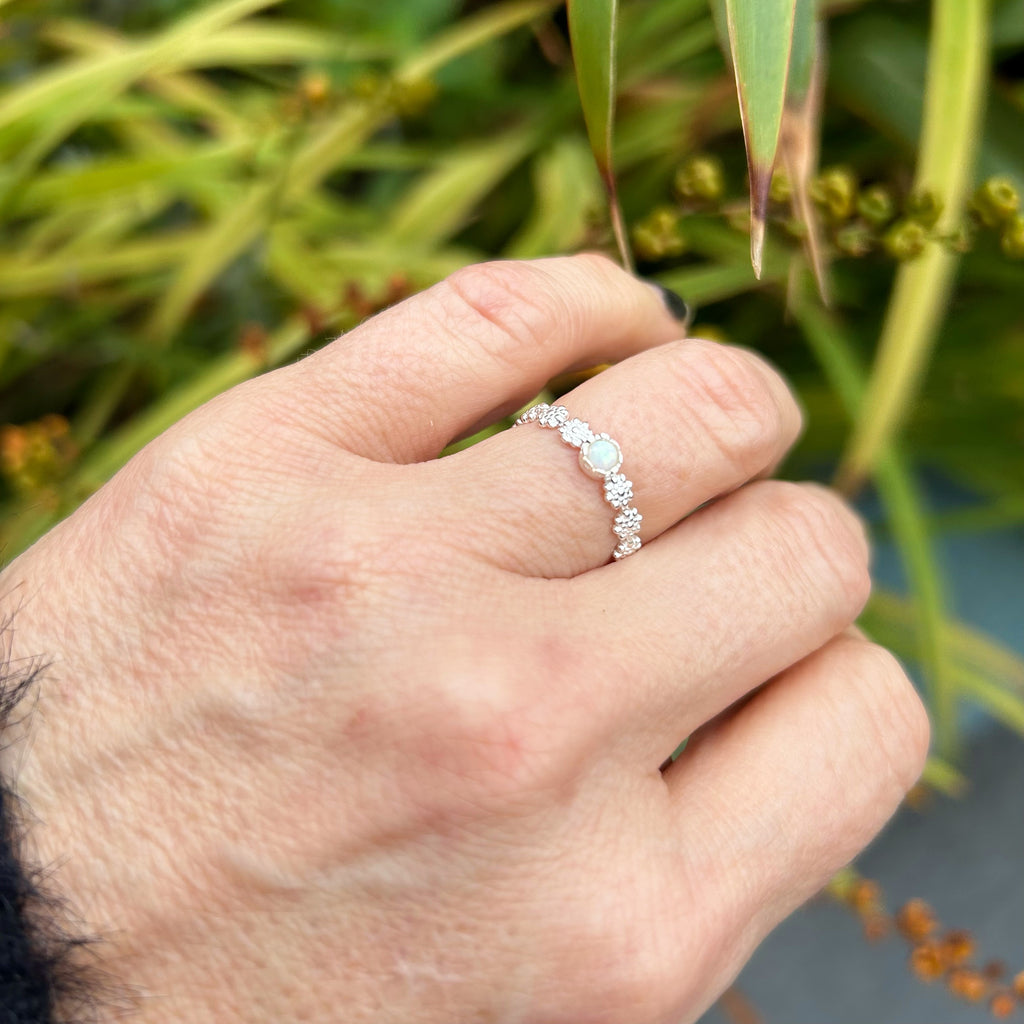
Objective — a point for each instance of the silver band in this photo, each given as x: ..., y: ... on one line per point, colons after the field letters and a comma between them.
x: 600, y: 457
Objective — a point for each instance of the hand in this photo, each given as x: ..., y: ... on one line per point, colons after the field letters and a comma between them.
x: 338, y: 731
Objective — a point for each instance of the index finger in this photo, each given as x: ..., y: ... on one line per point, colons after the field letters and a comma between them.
x: 486, y: 339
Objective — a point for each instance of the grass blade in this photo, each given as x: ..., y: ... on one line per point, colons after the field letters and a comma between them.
x: 441, y: 202
x: 907, y: 516
x: 566, y: 189
x: 593, y: 27
x: 760, y: 41
x: 957, y: 74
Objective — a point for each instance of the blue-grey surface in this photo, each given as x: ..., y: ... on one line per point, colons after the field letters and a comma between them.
x: 965, y: 857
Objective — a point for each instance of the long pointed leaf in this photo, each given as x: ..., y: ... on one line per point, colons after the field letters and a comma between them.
x: 760, y: 40
x: 593, y: 26
x: 908, y: 519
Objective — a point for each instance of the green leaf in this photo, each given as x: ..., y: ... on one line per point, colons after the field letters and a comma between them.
x: 442, y: 201
x: 566, y: 190
x: 943, y: 777
x: 908, y: 518
x: 593, y: 28
x: 760, y: 42
x: 68, y: 82
x: 476, y: 30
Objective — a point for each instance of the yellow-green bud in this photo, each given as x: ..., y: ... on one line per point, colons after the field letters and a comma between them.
x: 701, y: 178
x: 876, y: 205
x: 925, y: 207
x: 905, y: 240
x: 413, y: 97
x: 855, y: 239
x: 996, y: 201
x: 1012, y: 239
x: 781, y: 190
x: 835, y: 191
x: 658, y: 237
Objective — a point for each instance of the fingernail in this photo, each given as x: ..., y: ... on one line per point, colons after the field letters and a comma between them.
x: 674, y: 303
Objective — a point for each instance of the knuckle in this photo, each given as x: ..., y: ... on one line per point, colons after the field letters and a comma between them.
x: 817, y: 521
x: 477, y: 758
x: 733, y: 402
x: 502, y: 303
x: 485, y: 740
x: 896, y: 714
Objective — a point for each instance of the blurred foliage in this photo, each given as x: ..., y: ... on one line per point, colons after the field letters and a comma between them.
x: 192, y: 192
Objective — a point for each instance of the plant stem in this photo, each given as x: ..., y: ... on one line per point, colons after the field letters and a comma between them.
x: 957, y: 66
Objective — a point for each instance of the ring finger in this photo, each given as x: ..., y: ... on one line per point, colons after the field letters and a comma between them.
x: 694, y: 419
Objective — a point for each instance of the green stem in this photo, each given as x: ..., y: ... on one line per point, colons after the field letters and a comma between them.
x: 954, y: 103
x: 907, y: 517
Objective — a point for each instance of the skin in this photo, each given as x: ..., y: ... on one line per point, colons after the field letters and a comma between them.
x: 338, y: 731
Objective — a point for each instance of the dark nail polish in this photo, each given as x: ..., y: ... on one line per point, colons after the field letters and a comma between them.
x: 674, y: 303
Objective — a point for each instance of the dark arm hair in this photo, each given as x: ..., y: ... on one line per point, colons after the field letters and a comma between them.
x: 45, y: 974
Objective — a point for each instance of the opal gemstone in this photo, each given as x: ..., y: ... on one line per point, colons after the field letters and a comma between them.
x: 600, y: 457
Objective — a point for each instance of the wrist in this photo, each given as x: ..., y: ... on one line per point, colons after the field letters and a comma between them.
x: 43, y: 975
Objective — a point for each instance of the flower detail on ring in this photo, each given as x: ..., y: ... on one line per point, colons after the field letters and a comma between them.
x: 553, y: 416
x: 627, y: 522
x: 618, y: 490
x: 627, y: 546
x: 576, y: 432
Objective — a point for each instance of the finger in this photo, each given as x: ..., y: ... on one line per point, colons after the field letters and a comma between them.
x: 732, y: 596
x: 694, y: 419
x: 483, y: 341
x: 786, y: 791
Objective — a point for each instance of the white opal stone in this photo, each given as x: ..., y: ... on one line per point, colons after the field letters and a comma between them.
x: 601, y: 457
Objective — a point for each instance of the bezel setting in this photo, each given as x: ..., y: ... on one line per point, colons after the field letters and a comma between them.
x: 587, y: 463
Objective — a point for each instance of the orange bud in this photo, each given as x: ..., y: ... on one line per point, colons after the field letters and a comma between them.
x: 958, y: 946
x: 865, y: 896
x: 927, y: 962
x: 1003, y: 1004
x: 916, y: 920
x: 967, y: 984
x: 1018, y: 985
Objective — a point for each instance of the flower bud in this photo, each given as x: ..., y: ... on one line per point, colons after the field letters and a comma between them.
x: 658, y: 236
x: 835, y: 191
x: 1011, y: 241
x: 996, y: 201
x: 1002, y: 1005
x: 700, y: 179
x: 967, y: 984
x: 855, y: 239
x: 916, y: 920
x: 876, y: 205
x: 924, y: 206
x: 905, y: 240
x: 926, y: 961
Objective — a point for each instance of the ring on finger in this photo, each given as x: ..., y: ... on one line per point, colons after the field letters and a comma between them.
x: 600, y: 457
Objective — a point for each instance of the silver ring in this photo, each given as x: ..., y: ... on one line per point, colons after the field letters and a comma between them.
x: 600, y: 457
